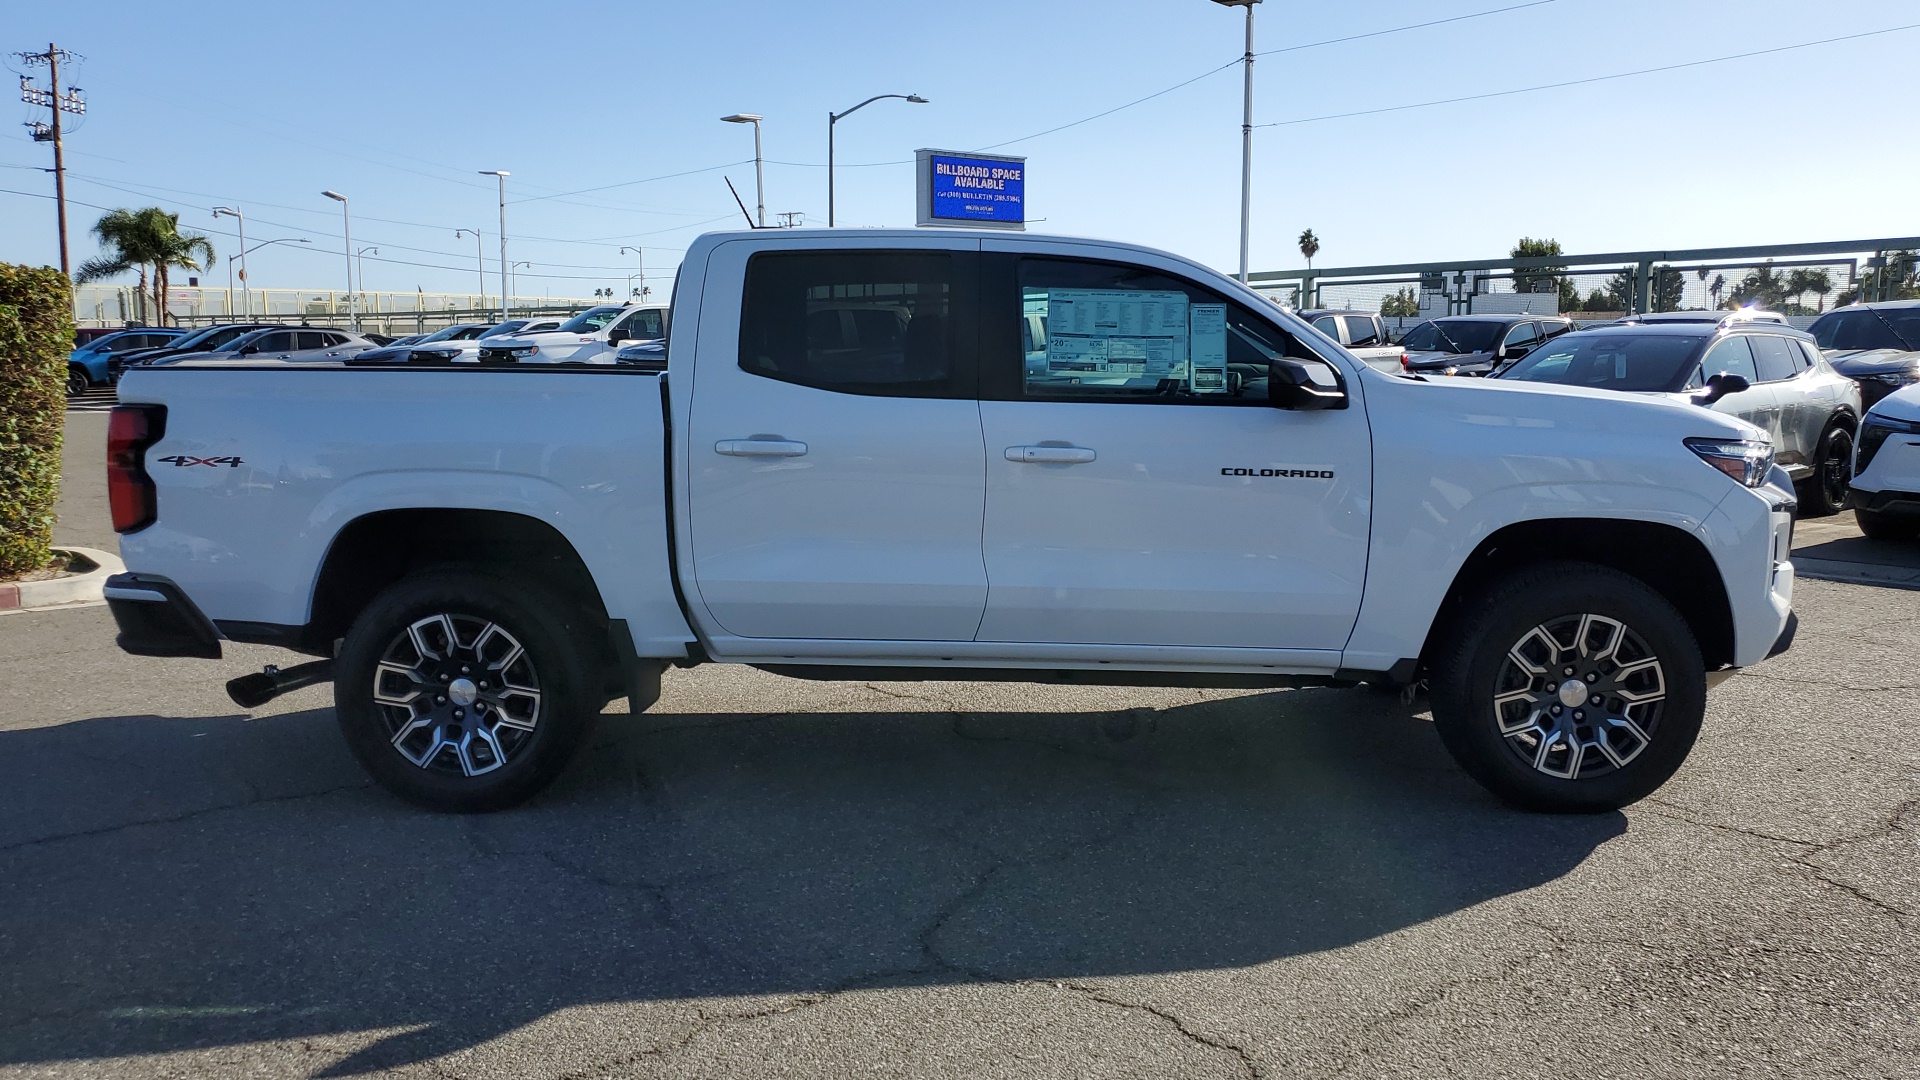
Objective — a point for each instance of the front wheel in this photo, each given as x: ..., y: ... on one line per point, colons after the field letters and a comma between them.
x: 77, y: 381
x: 1569, y: 688
x: 462, y: 690
x: 1826, y: 491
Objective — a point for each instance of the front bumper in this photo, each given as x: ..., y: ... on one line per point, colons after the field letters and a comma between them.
x: 1894, y: 504
x: 157, y: 619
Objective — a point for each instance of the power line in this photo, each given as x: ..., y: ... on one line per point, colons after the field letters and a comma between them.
x: 1587, y: 81
x: 1404, y: 29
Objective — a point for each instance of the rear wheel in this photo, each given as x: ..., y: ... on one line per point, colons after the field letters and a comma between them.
x: 1827, y: 490
x: 1569, y: 688
x: 461, y: 691
x: 1882, y: 527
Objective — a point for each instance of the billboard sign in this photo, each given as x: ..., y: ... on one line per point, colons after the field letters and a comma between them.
x: 983, y: 190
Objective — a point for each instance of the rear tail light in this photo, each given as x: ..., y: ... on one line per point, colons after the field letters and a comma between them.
x: 1403, y: 363
x: 130, y: 493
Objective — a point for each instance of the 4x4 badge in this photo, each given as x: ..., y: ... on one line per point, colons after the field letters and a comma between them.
x: 181, y: 461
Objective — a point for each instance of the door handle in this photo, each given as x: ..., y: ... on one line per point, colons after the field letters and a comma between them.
x: 759, y: 448
x: 1051, y: 455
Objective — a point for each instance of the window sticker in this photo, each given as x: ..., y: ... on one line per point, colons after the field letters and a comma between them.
x: 1118, y: 335
x: 1207, y: 347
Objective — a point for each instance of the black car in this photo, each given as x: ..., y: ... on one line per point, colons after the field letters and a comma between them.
x: 1875, y: 345
x: 1477, y: 344
x: 207, y: 339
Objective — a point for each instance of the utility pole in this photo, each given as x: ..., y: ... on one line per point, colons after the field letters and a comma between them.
x: 1246, y: 138
x: 52, y: 99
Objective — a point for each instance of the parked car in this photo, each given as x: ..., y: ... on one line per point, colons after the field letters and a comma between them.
x: 1365, y: 336
x: 480, y: 563
x: 1876, y: 345
x: 205, y: 339
x: 279, y: 344
x: 1765, y: 373
x: 648, y: 355
x: 87, y: 365
x: 1886, y: 477
x: 591, y: 337
x: 1477, y: 344
x: 444, y: 345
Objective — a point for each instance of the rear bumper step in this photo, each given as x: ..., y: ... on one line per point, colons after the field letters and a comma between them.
x: 157, y: 619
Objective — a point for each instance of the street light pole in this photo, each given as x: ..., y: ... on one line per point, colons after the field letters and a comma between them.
x: 517, y: 266
x: 642, y: 275
x: 759, y: 179
x: 479, y: 260
x: 245, y: 287
x: 834, y: 118
x: 501, y: 175
x: 1246, y: 139
x: 346, y: 217
x: 242, y: 256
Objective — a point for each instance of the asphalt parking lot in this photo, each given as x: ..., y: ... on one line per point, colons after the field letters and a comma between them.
x: 765, y: 877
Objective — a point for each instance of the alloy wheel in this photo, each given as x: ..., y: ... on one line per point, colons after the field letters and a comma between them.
x: 1836, y: 468
x: 1579, y: 696
x: 459, y: 694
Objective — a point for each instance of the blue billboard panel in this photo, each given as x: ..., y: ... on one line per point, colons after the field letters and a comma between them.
x: 979, y: 189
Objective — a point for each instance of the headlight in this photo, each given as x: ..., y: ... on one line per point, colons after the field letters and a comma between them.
x: 437, y: 354
x: 1898, y: 378
x: 1873, y: 435
x: 521, y: 351
x: 1746, y: 462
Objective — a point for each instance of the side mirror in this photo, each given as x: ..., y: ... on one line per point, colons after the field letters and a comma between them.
x: 249, y: 350
x: 1290, y: 385
x: 1720, y: 386
x: 617, y: 335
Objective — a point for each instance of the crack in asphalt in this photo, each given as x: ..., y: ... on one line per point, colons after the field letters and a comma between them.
x: 175, y: 819
x: 1679, y: 813
x: 1239, y: 1054
x: 705, y: 1024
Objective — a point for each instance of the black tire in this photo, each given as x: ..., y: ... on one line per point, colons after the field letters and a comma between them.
x: 1828, y: 490
x: 1613, y: 761
x: 533, y: 738
x: 1878, y: 526
x: 78, y: 382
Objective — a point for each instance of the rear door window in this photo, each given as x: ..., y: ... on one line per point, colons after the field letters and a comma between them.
x: 878, y: 322
x: 1328, y: 325
x: 1731, y: 356
x: 277, y: 342
x: 1362, y: 331
x: 1774, y: 358
x: 643, y: 324
x: 309, y: 339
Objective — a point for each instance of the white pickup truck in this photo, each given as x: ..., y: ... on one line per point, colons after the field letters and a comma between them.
x: 853, y: 468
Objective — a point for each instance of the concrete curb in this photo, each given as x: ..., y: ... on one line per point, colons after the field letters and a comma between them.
x: 93, y: 568
x: 1858, y: 573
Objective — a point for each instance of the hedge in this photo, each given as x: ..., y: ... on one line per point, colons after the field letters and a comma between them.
x: 36, y: 334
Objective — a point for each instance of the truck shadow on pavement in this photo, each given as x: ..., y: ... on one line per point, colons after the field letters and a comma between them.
x: 184, y: 883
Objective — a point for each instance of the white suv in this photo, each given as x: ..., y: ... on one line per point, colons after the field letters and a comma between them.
x: 1886, y: 481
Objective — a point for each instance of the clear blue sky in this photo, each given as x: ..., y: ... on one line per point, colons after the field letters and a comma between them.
x: 398, y: 104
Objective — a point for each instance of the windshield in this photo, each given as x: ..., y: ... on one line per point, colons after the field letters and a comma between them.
x: 1610, y: 361
x: 240, y: 342
x: 589, y: 320
x: 507, y: 327
x: 197, y: 339
x: 1897, y: 328
x: 1453, y: 337
x: 443, y: 334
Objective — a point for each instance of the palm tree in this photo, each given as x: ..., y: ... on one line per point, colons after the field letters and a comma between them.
x: 142, y: 240
x: 1702, y: 275
x: 1309, y: 246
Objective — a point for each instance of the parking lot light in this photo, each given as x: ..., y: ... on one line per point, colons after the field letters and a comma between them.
x: 834, y: 118
x: 346, y: 218
x: 759, y: 180
x: 501, y: 175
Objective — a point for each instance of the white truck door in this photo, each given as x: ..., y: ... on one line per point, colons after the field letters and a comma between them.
x: 1140, y: 491
x: 835, y: 463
